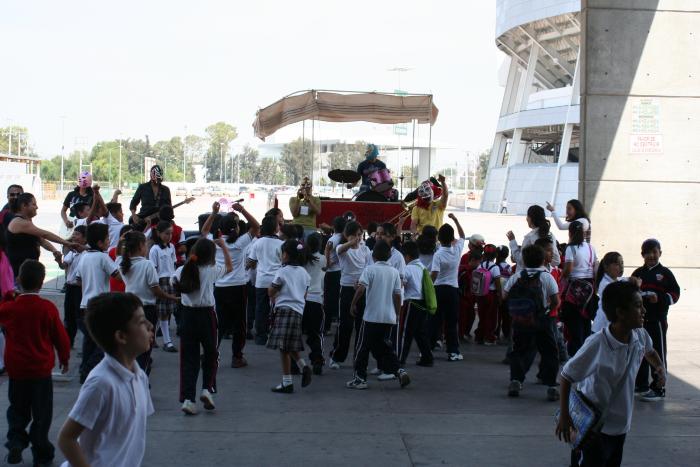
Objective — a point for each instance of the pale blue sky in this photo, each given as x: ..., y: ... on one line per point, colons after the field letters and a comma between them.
x: 154, y: 67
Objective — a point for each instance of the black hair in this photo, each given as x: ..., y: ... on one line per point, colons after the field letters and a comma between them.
x: 268, y: 226
x: 299, y: 231
x: 618, y: 295
x: 372, y: 227
x: 108, y: 313
x: 273, y: 212
x: 289, y: 231
x: 131, y: 244
x: 649, y: 245
x: 96, y: 232
x: 22, y: 200
x: 503, y: 253
x: 160, y: 228
x: 313, y: 243
x: 389, y: 229
x: 610, y: 257
x: 78, y: 208
x: 166, y: 213
x: 122, y: 231
x: 81, y: 229
x: 476, y: 254
x: 339, y: 224
x: 351, y: 228
x: 533, y: 256
x: 411, y: 249
x: 381, y: 251
x: 349, y: 216
x: 579, y: 210
x: 31, y: 275
x: 203, y: 253
x: 113, y: 208
x: 14, y: 186
x: 539, y: 220
x: 490, y: 252
x: 427, y: 240
x: 544, y: 242
x: 576, y: 234
x: 230, y: 227
x: 446, y: 234
x: 296, y: 253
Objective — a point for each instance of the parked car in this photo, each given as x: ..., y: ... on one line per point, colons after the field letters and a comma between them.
x: 197, y: 191
x: 181, y: 191
x: 214, y: 190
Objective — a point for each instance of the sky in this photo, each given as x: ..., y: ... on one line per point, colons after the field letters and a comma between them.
x: 79, y: 71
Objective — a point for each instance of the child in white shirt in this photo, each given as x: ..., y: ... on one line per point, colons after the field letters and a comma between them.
x: 107, y: 425
x: 74, y: 292
x: 195, y: 282
x: 354, y: 257
x: 314, y: 317
x: 288, y: 291
x: 163, y: 257
x: 414, y: 309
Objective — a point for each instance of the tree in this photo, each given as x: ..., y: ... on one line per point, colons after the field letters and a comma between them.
x: 19, y: 136
x: 248, y: 167
x: 269, y: 172
x: 482, y: 168
x: 219, y: 136
x: 296, y: 160
x: 347, y: 156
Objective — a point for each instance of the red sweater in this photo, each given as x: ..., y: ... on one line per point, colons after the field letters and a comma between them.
x: 33, y: 328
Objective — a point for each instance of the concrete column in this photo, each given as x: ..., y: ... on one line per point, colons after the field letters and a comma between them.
x: 640, y: 117
x: 424, y: 163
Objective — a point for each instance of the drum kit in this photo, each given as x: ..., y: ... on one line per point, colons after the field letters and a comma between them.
x: 381, y: 184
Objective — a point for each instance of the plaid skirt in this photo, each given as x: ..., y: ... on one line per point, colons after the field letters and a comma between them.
x: 285, y: 332
x: 165, y: 308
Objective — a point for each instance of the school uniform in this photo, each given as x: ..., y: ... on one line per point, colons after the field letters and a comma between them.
x: 230, y: 294
x: 286, y: 330
x: 661, y: 281
x: 114, y: 227
x: 266, y: 252
x: 164, y: 258
x: 73, y: 295
x: 113, y: 405
x: 487, y: 306
x: 530, y: 238
x: 527, y: 343
x: 314, y: 317
x: 397, y: 261
x: 504, y: 323
x: 583, y: 258
x: 94, y: 270
x: 415, y: 325
x: 198, y: 327
x: 352, y: 263
x: 140, y: 280
x: 446, y: 264
x: 331, y: 283
x: 564, y: 225
x: 250, y: 292
x: 382, y: 283
x: 598, y: 368
x: 467, y: 301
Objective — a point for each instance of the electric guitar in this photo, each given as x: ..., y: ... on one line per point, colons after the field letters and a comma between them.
x: 147, y: 218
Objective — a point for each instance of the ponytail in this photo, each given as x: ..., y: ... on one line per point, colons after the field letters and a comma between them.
x: 539, y: 220
x: 202, y: 254
x: 296, y: 253
x: 130, y: 245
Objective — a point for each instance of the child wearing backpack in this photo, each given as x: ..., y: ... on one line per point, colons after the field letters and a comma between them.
x: 416, y: 310
x: 467, y: 315
x: 503, y: 323
x: 529, y: 294
x: 486, y: 287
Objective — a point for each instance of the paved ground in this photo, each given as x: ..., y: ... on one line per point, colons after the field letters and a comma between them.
x: 452, y: 414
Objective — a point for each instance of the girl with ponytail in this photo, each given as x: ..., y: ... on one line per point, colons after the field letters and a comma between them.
x: 537, y: 221
x: 163, y: 257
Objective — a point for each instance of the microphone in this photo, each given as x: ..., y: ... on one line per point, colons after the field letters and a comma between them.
x: 240, y: 200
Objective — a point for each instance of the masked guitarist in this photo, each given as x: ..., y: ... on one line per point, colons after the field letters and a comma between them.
x: 152, y: 195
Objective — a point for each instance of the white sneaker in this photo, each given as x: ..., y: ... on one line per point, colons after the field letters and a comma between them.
x: 207, y: 399
x: 58, y: 377
x: 189, y: 407
x: 386, y: 377
x: 375, y: 372
x: 334, y: 365
x: 454, y: 357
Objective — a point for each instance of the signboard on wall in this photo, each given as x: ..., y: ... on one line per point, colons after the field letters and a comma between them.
x: 646, y: 137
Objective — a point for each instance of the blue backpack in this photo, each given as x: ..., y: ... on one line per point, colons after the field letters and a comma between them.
x: 526, y: 301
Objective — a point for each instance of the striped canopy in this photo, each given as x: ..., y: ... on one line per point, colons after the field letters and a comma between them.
x: 344, y: 107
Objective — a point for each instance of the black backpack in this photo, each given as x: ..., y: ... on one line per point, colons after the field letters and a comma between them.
x: 526, y: 301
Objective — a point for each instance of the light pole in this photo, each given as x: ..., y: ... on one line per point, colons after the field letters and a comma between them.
x: 120, y: 162
x: 221, y: 167
x: 63, y: 146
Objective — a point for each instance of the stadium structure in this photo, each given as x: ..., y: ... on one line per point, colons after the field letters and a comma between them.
x: 535, y: 153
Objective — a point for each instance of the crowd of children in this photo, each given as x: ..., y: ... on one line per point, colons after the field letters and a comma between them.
x: 387, y: 290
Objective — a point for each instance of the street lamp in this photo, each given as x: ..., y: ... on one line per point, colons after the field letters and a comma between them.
x: 221, y: 167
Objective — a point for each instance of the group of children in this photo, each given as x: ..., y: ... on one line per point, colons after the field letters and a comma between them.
x: 423, y: 289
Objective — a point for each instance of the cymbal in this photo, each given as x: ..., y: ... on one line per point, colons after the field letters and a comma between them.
x: 344, y: 176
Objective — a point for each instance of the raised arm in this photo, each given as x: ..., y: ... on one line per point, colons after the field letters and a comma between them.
x: 115, y: 196
x: 460, y: 231
x: 445, y: 191
x: 210, y: 220
x: 253, y: 224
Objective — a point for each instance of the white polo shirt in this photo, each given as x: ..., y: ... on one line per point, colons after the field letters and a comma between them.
x: 163, y: 259
x: 547, y: 281
x: 72, y: 260
x: 334, y: 241
x: 316, y: 273
x: 446, y: 263
x: 293, y: 282
x: 352, y: 262
x: 94, y: 271
x: 113, y: 405
x: 114, y: 227
x: 382, y: 281
x: 495, y: 271
x: 141, y: 277
x: 599, y: 367
x: 203, y: 297
x: 584, y: 258
x: 413, y: 290
x: 236, y: 250
x: 268, y: 254
x: 397, y: 261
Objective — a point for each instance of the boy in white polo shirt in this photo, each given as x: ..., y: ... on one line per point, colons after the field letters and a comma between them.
x: 382, y: 306
x: 107, y: 425
x: 607, y: 363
